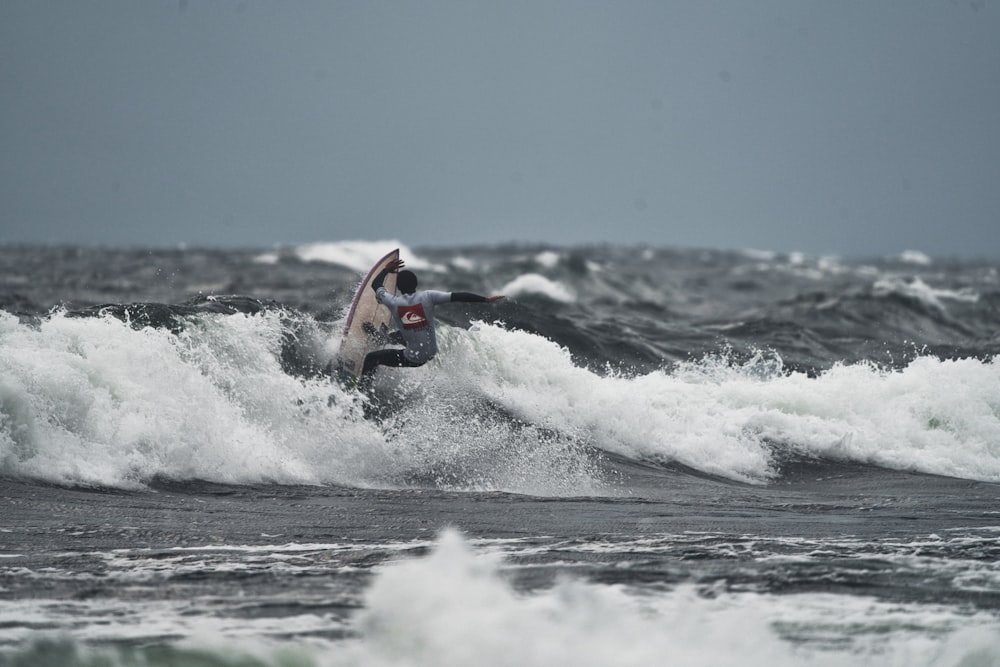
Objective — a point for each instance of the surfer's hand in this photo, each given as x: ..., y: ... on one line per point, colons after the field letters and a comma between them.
x: 395, y: 265
x: 491, y: 299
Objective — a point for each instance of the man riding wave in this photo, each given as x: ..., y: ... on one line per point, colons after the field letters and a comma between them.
x: 413, y: 313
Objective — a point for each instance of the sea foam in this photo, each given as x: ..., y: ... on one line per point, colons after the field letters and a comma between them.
x: 360, y: 256
x: 96, y: 401
x: 733, y: 418
x: 537, y: 284
x: 455, y: 607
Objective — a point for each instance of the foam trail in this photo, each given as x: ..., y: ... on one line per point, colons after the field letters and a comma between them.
x: 94, y: 401
x: 916, y: 288
x: 454, y: 608
x: 361, y: 255
x: 356, y: 255
x: 439, y: 440
x: 934, y: 416
x: 534, y: 283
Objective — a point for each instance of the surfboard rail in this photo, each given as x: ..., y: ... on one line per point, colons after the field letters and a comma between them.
x: 355, y: 342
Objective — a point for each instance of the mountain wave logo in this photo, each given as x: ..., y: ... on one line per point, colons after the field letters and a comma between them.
x: 413, y: 317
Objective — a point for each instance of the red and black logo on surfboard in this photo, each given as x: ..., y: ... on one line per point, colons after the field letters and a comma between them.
x: 413, y: 317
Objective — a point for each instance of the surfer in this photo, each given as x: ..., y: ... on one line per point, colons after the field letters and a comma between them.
x: 413, y: 313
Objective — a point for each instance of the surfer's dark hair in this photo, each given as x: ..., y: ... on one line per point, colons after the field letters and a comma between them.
x: 406, y: 281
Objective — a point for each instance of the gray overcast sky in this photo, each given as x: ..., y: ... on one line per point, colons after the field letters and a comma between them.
x: 847, y: 127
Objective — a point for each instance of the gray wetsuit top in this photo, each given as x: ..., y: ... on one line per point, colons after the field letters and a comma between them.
x: 414, y: 315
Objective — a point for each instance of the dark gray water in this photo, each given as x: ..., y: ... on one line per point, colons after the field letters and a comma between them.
x: 643, y: 456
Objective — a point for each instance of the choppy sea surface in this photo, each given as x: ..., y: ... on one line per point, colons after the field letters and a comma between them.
x: 644, y: 456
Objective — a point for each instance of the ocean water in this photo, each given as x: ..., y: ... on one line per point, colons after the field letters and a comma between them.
x: 644, y: 456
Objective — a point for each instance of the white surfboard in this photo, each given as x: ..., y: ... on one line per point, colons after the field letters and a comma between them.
x: 356, y: 343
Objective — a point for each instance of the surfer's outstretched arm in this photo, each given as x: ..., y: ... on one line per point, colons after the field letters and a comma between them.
x: 469, y: 297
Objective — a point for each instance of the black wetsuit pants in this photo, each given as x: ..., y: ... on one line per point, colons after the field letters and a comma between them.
x: 387, y: 357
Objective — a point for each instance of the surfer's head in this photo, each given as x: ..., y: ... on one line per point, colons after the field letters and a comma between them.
x: 406, y: 281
